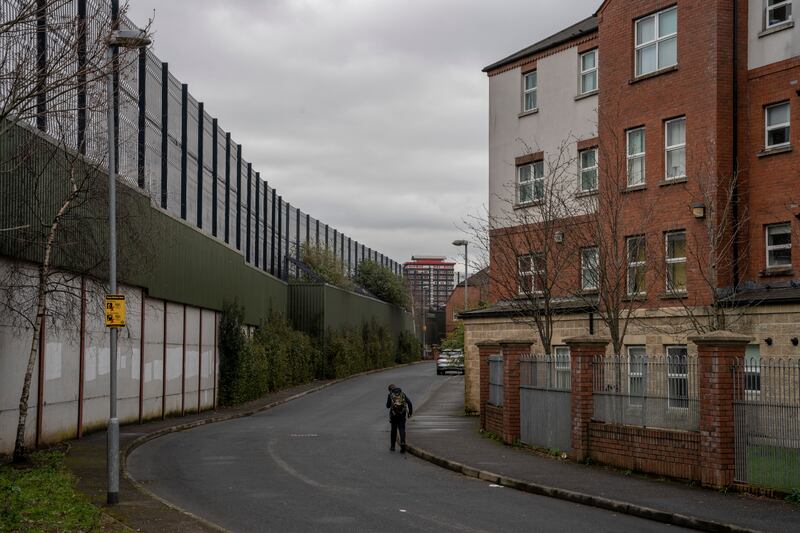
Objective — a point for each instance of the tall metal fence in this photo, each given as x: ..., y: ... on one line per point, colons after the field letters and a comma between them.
x: 546, y: 400
x: 496, y: 380
x: 767, y: 422
x: 649, y: 391
x: 167, y: 143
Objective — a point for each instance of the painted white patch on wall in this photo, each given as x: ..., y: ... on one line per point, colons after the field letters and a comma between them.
x: 158, y: 369
x: 53, y: 360
x: 103, y: 361
x: 174, y: 360
x: 148, y: 372
x: 135, y: 363
x: 90, y: 370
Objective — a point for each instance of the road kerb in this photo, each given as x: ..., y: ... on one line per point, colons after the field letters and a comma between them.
x: 579, y: 497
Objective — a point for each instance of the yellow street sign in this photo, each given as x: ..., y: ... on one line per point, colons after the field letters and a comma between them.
x: 115, y: 311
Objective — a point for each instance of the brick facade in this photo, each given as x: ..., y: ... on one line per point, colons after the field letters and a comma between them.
x: 512, y: 350
x: 675, y: 454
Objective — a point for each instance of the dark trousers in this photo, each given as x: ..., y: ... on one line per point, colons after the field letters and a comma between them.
x: 398, y: 423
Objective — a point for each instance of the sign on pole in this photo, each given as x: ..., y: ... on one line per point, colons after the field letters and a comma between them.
x: 115, y: 311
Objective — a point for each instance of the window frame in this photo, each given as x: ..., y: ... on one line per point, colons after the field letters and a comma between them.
x: 655, y: 41
x: 584, y: 268
x: 582, y: 169
x: 636, y: 400
x: 563, y: 368
x: 768, y: 128
x: 681, y: 402
x: 533, y: 91
x: 634, y: 265
x: 638, y: 155
x: 583, y: 73
x: 752, y: 371
x: 533, y: 273
x: 674, y: 148
x: 779, y: 4
x: 532, y: 182
x: 769, y: 248
x: 674, y: 261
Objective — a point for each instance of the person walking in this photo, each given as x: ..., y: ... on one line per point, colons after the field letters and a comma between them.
x: 400, y: 408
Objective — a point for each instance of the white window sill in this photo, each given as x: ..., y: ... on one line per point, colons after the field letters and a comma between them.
x: 528, y: 112
x: 774, y: 150
x: 673, y: 181
x: 587, y: 95
x: 776, y: 28
x: 659, y: 72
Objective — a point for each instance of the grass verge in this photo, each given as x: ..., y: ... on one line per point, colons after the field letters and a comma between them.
x: 40, y: 497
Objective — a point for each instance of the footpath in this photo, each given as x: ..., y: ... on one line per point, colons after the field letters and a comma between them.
x: 442, y: 434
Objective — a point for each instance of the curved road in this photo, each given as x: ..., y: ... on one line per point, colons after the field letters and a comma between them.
x: 322, y: 463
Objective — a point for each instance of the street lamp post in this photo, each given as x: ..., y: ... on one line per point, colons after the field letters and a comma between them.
x: 125, y: 39
x: 465, y: 244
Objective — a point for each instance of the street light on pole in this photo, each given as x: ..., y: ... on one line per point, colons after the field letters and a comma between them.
x: 465, y: 244
x: 126, y: 39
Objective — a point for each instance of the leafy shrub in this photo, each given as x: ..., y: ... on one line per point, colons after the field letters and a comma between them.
x: 232, y: 344
x: 409, y: 349
x: 325, y: 265
x: 455, y: 340
x: 383, y: 283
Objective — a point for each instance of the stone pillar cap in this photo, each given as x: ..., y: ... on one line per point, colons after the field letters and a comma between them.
x: 724, y: 338
x: 526, y: 342
x: 487, y: 343
x: 587, y: 339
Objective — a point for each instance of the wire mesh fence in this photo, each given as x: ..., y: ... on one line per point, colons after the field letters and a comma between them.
x: 496, y: 380
x: 648, y: 391
x: 173, y: 151
x: 767, y: 421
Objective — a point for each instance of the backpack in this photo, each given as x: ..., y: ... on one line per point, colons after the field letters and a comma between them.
x: 398, y: 403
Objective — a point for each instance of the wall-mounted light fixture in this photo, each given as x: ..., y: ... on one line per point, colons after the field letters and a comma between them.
x: 794, y: 341
x: 768, y: 340
x: 699, y: 210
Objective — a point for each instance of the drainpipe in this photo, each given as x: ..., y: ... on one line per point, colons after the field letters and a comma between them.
x: 735, y: 152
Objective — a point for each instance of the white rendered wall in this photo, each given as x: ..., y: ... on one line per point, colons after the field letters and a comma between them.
x: 62, y: 365
x: 561, y: 120
x: 770, y: 47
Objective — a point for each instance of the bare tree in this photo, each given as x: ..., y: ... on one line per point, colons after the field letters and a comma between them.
x: 529, y: 240
x: 52, y: 105
x: 615, y: 225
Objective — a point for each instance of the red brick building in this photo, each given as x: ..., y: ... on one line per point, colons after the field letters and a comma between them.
x: 677, y: 123
x: 477, y: 294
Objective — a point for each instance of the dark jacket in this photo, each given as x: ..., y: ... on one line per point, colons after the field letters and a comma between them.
x: 410, y: 407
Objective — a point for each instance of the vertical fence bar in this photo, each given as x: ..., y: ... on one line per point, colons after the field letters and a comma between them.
x: 238, y: 196
x: 164, y: 132
x: 280, y: 237
x: 142, y: 119
x: 227, y: 187
x: 258, y: 215
x: 264, y: 227
x: 200, y: 161
x: 286, y: 254
x: 184, y: 142
x: 272, y: 233
x: 248, y: 212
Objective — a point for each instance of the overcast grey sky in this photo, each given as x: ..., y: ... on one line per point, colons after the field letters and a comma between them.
x: 369, y: 114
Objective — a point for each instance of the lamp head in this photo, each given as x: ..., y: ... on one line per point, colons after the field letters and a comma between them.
x: 460, y: 242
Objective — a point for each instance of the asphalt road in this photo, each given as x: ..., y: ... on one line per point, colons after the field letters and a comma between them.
x: 322, y: 463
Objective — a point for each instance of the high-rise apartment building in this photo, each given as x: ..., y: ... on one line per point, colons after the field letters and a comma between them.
x: 430, y: 280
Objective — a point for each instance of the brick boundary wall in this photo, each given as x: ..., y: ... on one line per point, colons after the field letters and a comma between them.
x: 493, y: 419
x: 662, y: 452
x: 512, y: 350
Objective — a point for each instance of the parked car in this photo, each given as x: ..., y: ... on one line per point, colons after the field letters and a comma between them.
x: 450, y: 361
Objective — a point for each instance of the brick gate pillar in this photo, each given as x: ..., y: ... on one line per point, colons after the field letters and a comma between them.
x: 717, y: 353
x: 512, y: 350
x: 582, y: 351
x: 485, y: 349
